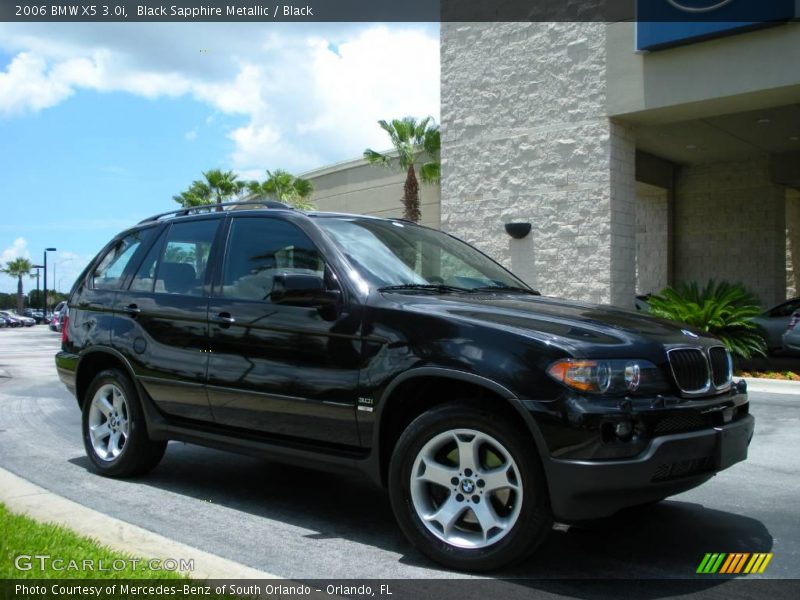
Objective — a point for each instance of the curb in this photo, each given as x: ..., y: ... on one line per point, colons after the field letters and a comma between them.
x: 24, y: 497
x: 772, y: 386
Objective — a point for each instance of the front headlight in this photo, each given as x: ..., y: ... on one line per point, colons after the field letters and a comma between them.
x: 614, y: 376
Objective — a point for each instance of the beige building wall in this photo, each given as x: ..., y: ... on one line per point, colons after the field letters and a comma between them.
x: 731, y: 74
x: 730, y: 224
x: 652, y: 260
x: 360, y: 188
x: 525, y: 137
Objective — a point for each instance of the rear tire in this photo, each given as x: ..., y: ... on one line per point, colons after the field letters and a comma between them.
x: 467, y: 488
x: 114, y: 430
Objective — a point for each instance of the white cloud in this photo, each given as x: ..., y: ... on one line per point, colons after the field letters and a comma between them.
x: 26, y: 85
x: 19, y: 249
x: 310, y: 93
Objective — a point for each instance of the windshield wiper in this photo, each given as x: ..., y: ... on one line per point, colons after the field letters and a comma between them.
x: 432, y: 287
x: 505, y: 288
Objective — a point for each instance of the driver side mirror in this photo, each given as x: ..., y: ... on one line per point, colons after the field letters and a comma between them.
x: 296, y: 289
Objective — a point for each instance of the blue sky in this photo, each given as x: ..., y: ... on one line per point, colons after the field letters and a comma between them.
x: 101, y: 124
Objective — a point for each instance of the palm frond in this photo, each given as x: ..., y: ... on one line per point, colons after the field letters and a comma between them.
x: 430, y: 172
x: 376, y: 158
x: 722, y: 309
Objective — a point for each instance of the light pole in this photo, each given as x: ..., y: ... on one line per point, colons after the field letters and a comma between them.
x: 57, y: 282
x: 37, y: 267
x: 44, y: 296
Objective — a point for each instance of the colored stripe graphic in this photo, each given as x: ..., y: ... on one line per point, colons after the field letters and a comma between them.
x: 710, y: 563
x: 734, y: 563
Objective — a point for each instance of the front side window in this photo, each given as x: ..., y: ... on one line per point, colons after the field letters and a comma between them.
x: 258, y: 249
x: 388, y: 253
x: 184, y: 259
x: 109, y: 273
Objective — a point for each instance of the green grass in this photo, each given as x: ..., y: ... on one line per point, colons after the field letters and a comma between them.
x: 21, y: 535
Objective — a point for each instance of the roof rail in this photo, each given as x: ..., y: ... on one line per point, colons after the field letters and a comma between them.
x: 191, y: 210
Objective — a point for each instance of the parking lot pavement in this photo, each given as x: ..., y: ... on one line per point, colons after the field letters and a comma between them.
x: 299, y: 523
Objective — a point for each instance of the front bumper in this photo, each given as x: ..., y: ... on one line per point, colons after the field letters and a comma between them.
x: 671, y: 464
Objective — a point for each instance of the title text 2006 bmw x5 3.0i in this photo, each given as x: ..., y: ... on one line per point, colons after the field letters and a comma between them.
x: 343, y: 341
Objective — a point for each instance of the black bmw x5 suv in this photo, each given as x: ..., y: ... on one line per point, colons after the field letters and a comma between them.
x: 342, y: 341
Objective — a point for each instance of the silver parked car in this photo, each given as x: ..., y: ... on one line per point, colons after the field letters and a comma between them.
x: 774, y: 322
x: 12, y: 320
x: 791, y: 337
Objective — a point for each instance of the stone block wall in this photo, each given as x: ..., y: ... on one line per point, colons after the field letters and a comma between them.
x: 730, y: 223
x: 525, y: 137
x: 652, y: 260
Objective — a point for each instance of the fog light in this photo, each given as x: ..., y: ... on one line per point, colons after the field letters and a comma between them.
x: 623, y: 430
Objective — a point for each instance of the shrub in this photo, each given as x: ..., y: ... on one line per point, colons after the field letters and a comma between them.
x: 722, y: 309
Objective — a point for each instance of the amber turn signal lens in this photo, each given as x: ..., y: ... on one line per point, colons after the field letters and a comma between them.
x: 578, y: 374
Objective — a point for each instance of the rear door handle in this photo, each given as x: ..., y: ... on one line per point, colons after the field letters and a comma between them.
x: 131, y: 309
x: 223, y: 319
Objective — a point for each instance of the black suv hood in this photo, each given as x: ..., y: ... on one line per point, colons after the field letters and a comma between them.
x: 582, y: 329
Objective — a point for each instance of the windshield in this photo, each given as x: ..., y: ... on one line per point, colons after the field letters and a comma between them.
x: 390, y: 253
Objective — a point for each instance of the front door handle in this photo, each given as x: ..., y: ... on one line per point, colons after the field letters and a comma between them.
x: 131, y: 309
x: 225, y: 319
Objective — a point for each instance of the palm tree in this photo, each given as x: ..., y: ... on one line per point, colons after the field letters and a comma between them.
x: 224, y: 184
x: 415, y: 144
x: 198, y: 194
x: 283, y: 186
x: 219, y: 186
x: 722, y: 309
x: 18, y: 268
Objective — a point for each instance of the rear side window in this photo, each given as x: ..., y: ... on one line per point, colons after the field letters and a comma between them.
x: 785, y: 310
x: 145, y: 278
x: 110, y: 272
x: 261, y: 247
x: 181, y: 268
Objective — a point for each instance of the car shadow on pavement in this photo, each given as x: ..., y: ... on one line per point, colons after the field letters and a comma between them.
x: 663, y: 541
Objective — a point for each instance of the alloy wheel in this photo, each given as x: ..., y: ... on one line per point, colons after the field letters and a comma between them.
x: 109, y: 422
x: 466, y: 488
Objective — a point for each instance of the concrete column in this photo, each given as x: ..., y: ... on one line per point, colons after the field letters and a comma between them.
x: 622, y: 188
x: 792, y: 242
x: 525, y: 137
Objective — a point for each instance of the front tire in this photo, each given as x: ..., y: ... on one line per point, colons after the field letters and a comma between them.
x: 114, y: 430
x: 467, y: 488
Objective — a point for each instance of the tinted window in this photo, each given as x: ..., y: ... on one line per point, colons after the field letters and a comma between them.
x: 184, y: 259
x: 145, y: 278
x: 260, y: 248
x: 109, y: 273
x: 785, y: 310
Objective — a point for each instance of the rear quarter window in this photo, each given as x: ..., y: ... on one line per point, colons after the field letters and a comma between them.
x: 110, y: 271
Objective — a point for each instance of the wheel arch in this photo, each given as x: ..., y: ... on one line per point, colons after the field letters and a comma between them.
x: 409, y: 395
x: 93, y: 362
